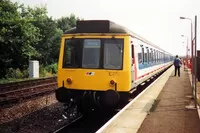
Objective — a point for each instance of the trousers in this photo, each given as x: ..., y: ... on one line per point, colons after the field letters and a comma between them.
x: 177, y: 68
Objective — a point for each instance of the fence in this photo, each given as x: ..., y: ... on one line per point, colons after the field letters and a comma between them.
x: 198, y: 68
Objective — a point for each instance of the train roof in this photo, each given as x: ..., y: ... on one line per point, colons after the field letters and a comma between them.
x: 104, y: 26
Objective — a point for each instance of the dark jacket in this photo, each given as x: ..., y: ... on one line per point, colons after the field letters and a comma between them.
x: 177, y: 62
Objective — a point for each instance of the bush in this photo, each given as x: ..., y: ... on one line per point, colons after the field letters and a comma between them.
x: 25, y: 73
x: 49, y: 70
x: 12, y: 73
x: 53, y: 68
x: 43, y: 71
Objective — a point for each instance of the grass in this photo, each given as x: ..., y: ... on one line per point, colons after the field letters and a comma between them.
x: 11, y: 80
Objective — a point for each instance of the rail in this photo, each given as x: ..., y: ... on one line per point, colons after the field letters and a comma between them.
x: 13, y: 93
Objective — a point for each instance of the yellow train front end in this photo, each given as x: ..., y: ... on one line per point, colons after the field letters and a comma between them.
x: 99, y: 62
x: 94, y: 69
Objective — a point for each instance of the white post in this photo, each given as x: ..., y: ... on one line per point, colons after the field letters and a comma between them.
x: 33, y: 69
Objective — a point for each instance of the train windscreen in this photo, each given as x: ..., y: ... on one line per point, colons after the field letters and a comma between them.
x: 92, y: 53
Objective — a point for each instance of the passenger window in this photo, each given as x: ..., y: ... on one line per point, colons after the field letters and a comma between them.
x: 163, y: 57
x: 157, y: 57
x: 143, y: 54
x: 148, y: 55
x: 140, y: 56
x: 152, y: 58
x: 152, y: 55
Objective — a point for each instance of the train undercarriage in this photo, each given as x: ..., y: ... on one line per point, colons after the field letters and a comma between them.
x: 85, y: 101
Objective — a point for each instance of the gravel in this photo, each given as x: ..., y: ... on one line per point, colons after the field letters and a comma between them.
x: 45, y: 120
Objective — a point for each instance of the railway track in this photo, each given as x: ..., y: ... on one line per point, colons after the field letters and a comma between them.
x: 13, y: 93
x: 52, y: 119
x: 68, y: 124
x: 94, y: 121
x: 86, y: 123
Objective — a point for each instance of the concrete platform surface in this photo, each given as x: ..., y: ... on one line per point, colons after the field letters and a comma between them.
x: 130, y: 118
x: 174, y: 110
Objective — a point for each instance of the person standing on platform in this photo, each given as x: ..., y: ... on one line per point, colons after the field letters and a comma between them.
x: 184, y: 64
x: 177, y: 65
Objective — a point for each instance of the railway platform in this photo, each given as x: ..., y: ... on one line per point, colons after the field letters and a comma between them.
x: 166, y: 106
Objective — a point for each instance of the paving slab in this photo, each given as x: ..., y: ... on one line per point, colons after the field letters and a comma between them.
x: 130, y: 118
x: 174, y: 111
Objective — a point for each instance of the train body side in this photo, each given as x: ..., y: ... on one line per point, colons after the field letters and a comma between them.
x: 155, y: 62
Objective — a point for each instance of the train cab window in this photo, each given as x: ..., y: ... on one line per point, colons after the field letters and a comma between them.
x: 91, y: 53
x: 113, y: 53
x: 72, y: 53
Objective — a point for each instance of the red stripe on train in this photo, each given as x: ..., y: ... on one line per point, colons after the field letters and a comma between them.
x: 150, y: 72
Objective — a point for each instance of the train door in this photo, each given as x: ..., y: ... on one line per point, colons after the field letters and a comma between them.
x: 132, y: 65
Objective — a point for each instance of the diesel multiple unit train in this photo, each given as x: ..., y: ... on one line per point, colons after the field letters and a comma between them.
x: 101, y: 63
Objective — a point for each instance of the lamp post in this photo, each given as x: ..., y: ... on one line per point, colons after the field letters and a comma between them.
x: 191, y: 42
x: 194, y: 61
x: 187, y: 49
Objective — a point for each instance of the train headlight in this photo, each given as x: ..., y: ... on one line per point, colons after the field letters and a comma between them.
x: 69, y: 81
x: 112, y: 82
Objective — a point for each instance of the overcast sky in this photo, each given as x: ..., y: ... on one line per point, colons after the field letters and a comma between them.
x: 156, y: 20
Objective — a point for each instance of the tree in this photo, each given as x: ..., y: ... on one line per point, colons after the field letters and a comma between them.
x: 50, y: 35
x: 27, y: 34
x: 17, y: 35
x: 65, y: 23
